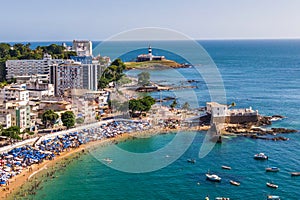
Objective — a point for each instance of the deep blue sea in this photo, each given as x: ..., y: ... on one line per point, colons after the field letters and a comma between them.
x: 263, y: 74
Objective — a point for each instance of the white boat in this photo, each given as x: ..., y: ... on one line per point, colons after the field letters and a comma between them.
x: 260, y: 156
x: 272, y: 169
x: 222, y: 198
x: 108, y: 160
x: 272, y: 197
x: 295, y: 173
x: 226, y: 167
x: 271, y: 185
x: 213, y: 177
x: 235, y: 183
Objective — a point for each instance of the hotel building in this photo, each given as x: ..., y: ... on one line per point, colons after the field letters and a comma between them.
x: 73, y: 75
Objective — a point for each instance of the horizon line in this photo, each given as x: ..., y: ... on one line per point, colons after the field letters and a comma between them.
x: 198, y: 39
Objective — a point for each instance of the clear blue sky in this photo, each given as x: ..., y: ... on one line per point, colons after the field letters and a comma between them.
x: 40, y: 20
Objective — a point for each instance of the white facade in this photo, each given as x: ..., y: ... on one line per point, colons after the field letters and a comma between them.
x: 216, y: 109
x: 42, y: 93
x: 20, y: 114
x: 14, y: 92
x: 74, y: 75
x: 5, y: 120
x: 30, y: 67
x: 83, y: 47
x: 86, y: 109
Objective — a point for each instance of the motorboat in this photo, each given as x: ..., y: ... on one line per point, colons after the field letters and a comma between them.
x: 272, y: 197
x: 272, y: 169
x: 190, y: 160
x: 222, y: 198
x: 271, y: 185
x: 235, y: 183
x: 213, y: 177
x: 226, y: 167
x: 260, y: 156
x: 295, y: 173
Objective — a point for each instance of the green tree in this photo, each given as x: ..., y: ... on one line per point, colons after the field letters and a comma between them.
x: 12, y: 132
x: 2, y: 84
x: 112, y: 73
x: 142, y: 105
x: 144, y: 78
x: 68, y: 119
x: 186, y: 106
x: 173, y: 104
x: 118, y: 62
x: 49, y: 117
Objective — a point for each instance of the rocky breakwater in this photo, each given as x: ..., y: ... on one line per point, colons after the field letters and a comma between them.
x: 258, y: 129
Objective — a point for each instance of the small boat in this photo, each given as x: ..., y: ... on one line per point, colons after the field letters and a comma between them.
x: 226, y: 167
x: 272, y: 169
x: 207, y: 198
x: 235, y: 183
x: 222, y: 198
x: 260, y: 156
x: 271, y: 185
x: 272, y: 197
x: 295, y: 173
x: 213, y: 177
x: 108, y: 160
x: 191, y: 160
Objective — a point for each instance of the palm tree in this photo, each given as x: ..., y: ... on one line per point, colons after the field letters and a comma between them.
x: 233, y: 104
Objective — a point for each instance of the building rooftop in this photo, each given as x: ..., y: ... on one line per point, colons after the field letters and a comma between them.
x: 215, y: 104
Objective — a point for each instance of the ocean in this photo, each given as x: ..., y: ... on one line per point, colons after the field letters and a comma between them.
x: 263, y: 74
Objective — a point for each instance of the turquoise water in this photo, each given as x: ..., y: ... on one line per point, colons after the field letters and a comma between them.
x: 90, y: 179
x: 264, y: 74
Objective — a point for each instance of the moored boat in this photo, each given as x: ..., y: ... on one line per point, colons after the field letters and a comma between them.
x: 272, y: 197
x: 271, y: 185
x: 295, y: 173
x: 107, y: 160
x: 213, y: 177
x: 190, y: 160
x: 272, y: 169
x: 226, y: 167
x: 260, y: 156
x: 235, y: 183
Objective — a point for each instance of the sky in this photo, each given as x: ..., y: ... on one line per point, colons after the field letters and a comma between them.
x: 65, y: 20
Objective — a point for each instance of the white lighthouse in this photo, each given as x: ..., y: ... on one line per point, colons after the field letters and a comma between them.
x: 149, y: 56
x: 150, y: 52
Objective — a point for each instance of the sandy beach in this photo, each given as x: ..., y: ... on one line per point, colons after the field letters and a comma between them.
x: 16, y: 183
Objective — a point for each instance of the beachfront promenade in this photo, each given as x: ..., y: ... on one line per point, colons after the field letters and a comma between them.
x: 53, y: 135
x: 20, y: 156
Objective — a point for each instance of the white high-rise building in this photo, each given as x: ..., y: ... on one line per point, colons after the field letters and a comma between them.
x: 73, y: 75
x: 83, y: 47
x: 30, y: 67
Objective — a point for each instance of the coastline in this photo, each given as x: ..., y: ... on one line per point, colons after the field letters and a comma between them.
x: 25, y: 177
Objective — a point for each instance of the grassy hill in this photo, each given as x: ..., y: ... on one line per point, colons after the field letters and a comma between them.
x: 153, y: 64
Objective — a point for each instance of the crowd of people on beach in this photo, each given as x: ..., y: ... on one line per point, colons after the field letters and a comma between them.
x: 18, y: 159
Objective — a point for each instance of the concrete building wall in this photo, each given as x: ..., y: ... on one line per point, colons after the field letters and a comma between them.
x: 30, y: 67
x: 241, y: 119
x: 5, y: 120
x: 74, y: 76
x: 83, y: 47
